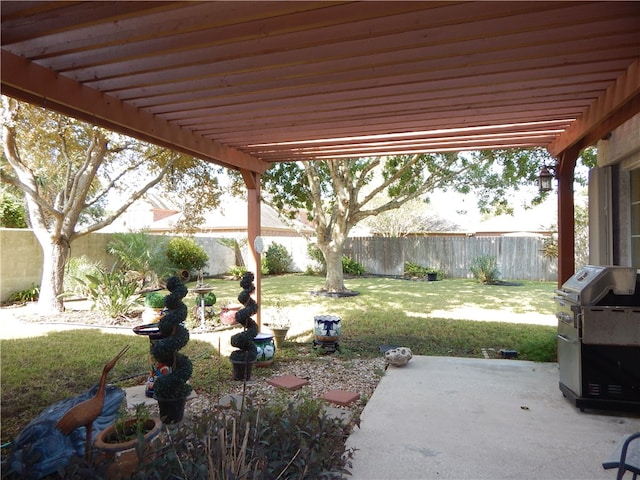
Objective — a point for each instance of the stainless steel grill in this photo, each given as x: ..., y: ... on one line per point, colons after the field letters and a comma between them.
x: 599, y: 338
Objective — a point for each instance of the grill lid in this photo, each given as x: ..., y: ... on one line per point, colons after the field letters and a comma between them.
x: 592, y: 282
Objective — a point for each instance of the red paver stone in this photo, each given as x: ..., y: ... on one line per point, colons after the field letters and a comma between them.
x: 340, y: 397
x: 289, y: 382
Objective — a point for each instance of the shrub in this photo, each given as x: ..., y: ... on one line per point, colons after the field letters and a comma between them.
x: 277, y: 259
x: 144, y: 257
x: 79, y: 267
x: 186, y: 254
x: 12, y: 211
x: 210, y: 299
x: 237, y: 271
x: 154, y: 300
x: 413, y: 270
x: 290, y: 438
x: 165, y: 350
x: 550, y: 248
x: 111, y: 292
x: 351, y: 266
x: 30, y: 294
x: 485, y: 269
x: 315, y: 254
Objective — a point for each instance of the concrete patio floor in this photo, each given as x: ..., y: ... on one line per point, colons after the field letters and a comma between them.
x: 461, y: 418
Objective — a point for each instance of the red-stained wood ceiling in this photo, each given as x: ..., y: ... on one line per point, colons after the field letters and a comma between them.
x: 244, y: 84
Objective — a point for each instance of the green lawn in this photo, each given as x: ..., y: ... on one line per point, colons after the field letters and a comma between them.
x: 39, y: 371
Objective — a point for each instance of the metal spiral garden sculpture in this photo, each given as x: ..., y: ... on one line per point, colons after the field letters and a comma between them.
x: 243, y: 341
x: 174, y: 336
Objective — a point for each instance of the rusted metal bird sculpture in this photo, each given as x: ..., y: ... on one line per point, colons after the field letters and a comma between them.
x: 84, y: 413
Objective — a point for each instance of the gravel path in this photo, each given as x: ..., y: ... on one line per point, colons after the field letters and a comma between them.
x: 324, y: 373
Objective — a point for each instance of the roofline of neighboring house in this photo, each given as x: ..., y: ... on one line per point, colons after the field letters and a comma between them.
x: 543, y: 233
x: 265, y: 231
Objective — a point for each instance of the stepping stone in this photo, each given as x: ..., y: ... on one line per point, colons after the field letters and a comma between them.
x: 288, y: 382
x: 231, y: 401
x: 340, y: 397
x: 136, y: 395
x: 339, y: 413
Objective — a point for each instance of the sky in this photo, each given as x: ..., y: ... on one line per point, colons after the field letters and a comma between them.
x: 462, y: 209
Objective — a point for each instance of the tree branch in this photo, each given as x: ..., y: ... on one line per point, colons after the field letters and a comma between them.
x: 134, y: 197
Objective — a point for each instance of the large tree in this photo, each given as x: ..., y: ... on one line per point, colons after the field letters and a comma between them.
x: 68, y: 169
x: 337, y: 194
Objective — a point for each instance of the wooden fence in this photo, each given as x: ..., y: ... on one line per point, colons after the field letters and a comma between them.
x: 519, y: 258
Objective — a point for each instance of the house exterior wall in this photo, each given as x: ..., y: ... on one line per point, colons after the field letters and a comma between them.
x: 609, y: 196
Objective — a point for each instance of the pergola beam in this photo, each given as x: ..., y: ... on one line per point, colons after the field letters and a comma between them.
x: 30, y: 82
x: 616, y: 105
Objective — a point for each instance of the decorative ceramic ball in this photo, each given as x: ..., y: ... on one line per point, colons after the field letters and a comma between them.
x: 398, y: 357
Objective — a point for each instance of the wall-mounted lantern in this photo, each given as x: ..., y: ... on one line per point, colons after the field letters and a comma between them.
x: 545, y: 178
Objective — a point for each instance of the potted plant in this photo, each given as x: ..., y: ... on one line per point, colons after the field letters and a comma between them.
x: 210, y: 299
x: 246, y: 353
x: 127, y: 442
x: 433, y: 274
x: 154, y: 303
x: 279, y: 334
x: 228, y: 312
x: 170, y: 387
x: 279, y: 325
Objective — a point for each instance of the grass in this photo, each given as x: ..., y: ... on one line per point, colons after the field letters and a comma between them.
x: 39, y: 371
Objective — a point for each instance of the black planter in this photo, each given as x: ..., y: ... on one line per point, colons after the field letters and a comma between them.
x: 242, y: 369
x: 171, y: 410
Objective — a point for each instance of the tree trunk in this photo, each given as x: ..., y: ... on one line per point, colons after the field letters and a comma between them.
x: 334, y: 281
x: 55, y: 254
x: 238, y: 254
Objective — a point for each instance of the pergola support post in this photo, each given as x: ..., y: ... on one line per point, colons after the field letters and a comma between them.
x: 566, y: 220
x: 252, y: 181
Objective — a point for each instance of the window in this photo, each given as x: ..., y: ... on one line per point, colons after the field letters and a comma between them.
x: 635, y: 217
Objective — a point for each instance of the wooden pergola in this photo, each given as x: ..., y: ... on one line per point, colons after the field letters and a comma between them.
x: 246, y: 84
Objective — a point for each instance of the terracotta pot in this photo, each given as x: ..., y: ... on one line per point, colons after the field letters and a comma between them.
x: 122, y: 457
x: 228, y: 314
x: 279, y: 335
x: 151, y: 315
